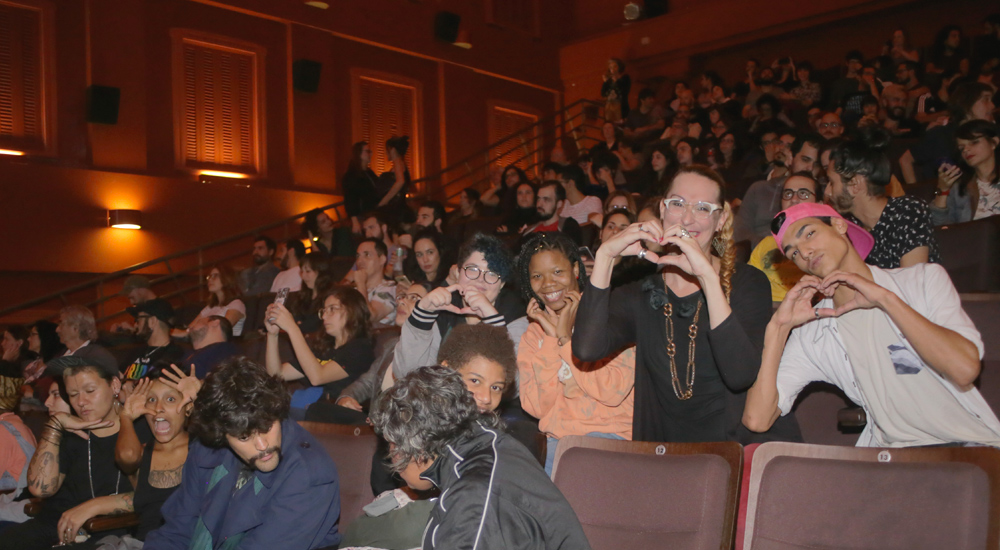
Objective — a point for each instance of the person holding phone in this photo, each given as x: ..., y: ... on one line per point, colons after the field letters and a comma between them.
x: 697, y: 323
x: 970, y: 190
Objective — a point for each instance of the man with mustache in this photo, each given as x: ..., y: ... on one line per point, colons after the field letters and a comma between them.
x: 896, y: 341
x: 254, y: 478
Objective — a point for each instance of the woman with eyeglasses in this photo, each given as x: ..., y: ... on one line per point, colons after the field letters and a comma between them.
x: 484, y: 267
x: 340, y: 354
x: 781, y: 272
x: 697, y: 324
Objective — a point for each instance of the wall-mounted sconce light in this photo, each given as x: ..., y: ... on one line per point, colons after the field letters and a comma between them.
x: 11, y: 152
x: 125, y: 219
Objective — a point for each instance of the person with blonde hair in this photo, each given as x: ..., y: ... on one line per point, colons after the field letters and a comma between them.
x: 697, y: 323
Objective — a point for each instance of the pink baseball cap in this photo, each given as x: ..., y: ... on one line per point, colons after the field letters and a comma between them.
x: 862, y: 240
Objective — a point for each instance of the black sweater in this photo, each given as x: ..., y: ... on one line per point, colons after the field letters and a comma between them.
x: 727, y: 357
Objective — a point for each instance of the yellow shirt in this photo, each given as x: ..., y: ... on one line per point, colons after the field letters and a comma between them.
x: 780, y: 271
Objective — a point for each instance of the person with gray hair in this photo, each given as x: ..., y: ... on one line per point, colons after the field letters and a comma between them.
x: 497, y: 494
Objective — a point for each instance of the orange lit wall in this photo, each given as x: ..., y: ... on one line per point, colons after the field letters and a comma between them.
x: 55, y: 205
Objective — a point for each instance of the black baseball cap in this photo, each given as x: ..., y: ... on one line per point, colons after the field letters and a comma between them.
x: 91, y: 355
x: 157, y: 307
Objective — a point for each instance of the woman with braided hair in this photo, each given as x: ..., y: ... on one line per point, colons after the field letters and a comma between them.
x: 567, y: 396
x: 697, y: 324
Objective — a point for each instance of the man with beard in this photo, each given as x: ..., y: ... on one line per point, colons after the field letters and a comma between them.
x: 254, y: 478
x: 859, y: 173
x: 894, y: 108
x: 258, y: 279
x: 550, y: 200
x: 153, y: 320
x: 290, y: 276
x: 210, y: 338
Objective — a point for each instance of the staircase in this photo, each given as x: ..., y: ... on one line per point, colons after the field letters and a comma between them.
x: 178, y: 277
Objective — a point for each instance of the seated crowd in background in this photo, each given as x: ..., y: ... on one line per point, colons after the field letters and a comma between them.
x: 718, y: 249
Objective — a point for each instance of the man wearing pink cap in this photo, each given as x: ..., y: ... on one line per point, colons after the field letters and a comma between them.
x: 895, y: 341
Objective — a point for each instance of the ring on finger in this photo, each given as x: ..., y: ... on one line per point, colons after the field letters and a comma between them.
x: 684, y: 233
x: 642, y: 253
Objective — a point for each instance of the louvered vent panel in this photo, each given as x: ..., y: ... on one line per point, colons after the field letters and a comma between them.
x: 387, y: 110
x: 21, y: 117
x: 220, y: 124
x: 506, y: 123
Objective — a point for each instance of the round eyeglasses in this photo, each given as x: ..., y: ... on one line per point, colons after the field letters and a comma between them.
x: 803, y: 194
x: 472, y: 273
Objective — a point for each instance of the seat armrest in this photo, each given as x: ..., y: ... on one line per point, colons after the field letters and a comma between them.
x: 852, y: 417
x: 110, y: 523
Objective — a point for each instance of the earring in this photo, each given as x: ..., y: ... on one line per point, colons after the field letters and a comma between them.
x: 719, y: 246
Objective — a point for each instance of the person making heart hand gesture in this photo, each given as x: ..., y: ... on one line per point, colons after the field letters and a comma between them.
x: 697, y: 324
x: 894, y: 340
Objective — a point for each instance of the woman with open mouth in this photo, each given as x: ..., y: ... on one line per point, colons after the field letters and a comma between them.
x: 567, y: 397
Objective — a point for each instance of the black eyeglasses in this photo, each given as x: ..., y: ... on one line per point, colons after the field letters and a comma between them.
x: 803, y: 194
x: 472, y: 273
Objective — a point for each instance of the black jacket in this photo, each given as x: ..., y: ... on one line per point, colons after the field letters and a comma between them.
x: 494, y: 495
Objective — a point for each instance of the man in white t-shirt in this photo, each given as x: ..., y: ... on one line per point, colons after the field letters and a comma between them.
x: 380, y: 292
x: 577, y: 206
x: 896, y: 341
x: 290, y: 276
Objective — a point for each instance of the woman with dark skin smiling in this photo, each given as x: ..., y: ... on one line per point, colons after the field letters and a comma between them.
x: 580, y: 399
x: 697, y: 324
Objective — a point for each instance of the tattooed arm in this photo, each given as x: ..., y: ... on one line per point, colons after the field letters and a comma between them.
x: 74, y: 518
x: 44, y: 479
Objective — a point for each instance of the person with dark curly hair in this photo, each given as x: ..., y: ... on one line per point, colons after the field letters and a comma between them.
x: 484, y: 268
x: 497, y: 495
x: 565, y: 395
x: 485, y: 358
x: 254, y: 478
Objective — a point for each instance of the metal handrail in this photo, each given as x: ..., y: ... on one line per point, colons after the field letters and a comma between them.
x: 479, y: 161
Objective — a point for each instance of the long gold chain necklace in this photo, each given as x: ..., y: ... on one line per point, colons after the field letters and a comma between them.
x: 668, y: 311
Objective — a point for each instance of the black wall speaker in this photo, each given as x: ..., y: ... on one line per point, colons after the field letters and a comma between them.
x: 305, y: 75
x: 446, y: 26
x: 102, y: 104
x: 655, y: 8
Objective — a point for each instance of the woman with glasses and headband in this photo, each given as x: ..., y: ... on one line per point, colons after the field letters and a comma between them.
x: 781, y: 272
x: 340, y: 354
x: 484, y: 267
x: 697, y: 324
x: 223, y: 300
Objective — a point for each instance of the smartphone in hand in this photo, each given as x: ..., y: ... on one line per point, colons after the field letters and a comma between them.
x: 280, y: 299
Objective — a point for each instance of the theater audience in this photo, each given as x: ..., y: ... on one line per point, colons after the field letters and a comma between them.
x: 17, y: 445
x: 568, y: 398
x: 830, y: 126
x: 524, y: 212
x: 77, y: 328
x: 497, y: 495
x: 912, y: 354
x: 431, y: 259
x: 971, y: 190
x: 153, y: 320
x: 431, y: 214
x: 646, y: 121
x: 290, y: 276
x: 257, y: 279
x: 316, y: 279
x: 359, y: 185
x: 17, y: 353
x: 610, y: 143
x: 806, y: 92
x: 499, y: 196
x: 859, y: 172
x: 371, y: 282
x: 74, y: 463
x: 468, y: 207
x: 615, y: 91
x: 223, y: 301
x: 697, y: 325
x: 44, y: 342
x: 320, y: 229
x: 485, y: 266
x: 211, y: 338
x: 341, y: 353
x: 551, y: 199
x: 137, y: 290
x: 767, y: 257
x: 577, y: 205
x: 254, y: 478
x: 393, y: 184
x: 661, y: 164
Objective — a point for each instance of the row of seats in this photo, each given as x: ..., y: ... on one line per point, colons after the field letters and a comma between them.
x: 775, y: 496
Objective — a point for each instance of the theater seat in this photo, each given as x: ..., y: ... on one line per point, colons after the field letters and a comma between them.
x: 970, y: 252
x: 631, y: 494
x: 351, y: 448
x: 813, y: 496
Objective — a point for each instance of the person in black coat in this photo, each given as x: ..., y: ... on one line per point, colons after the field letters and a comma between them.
x: 495, y: 495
